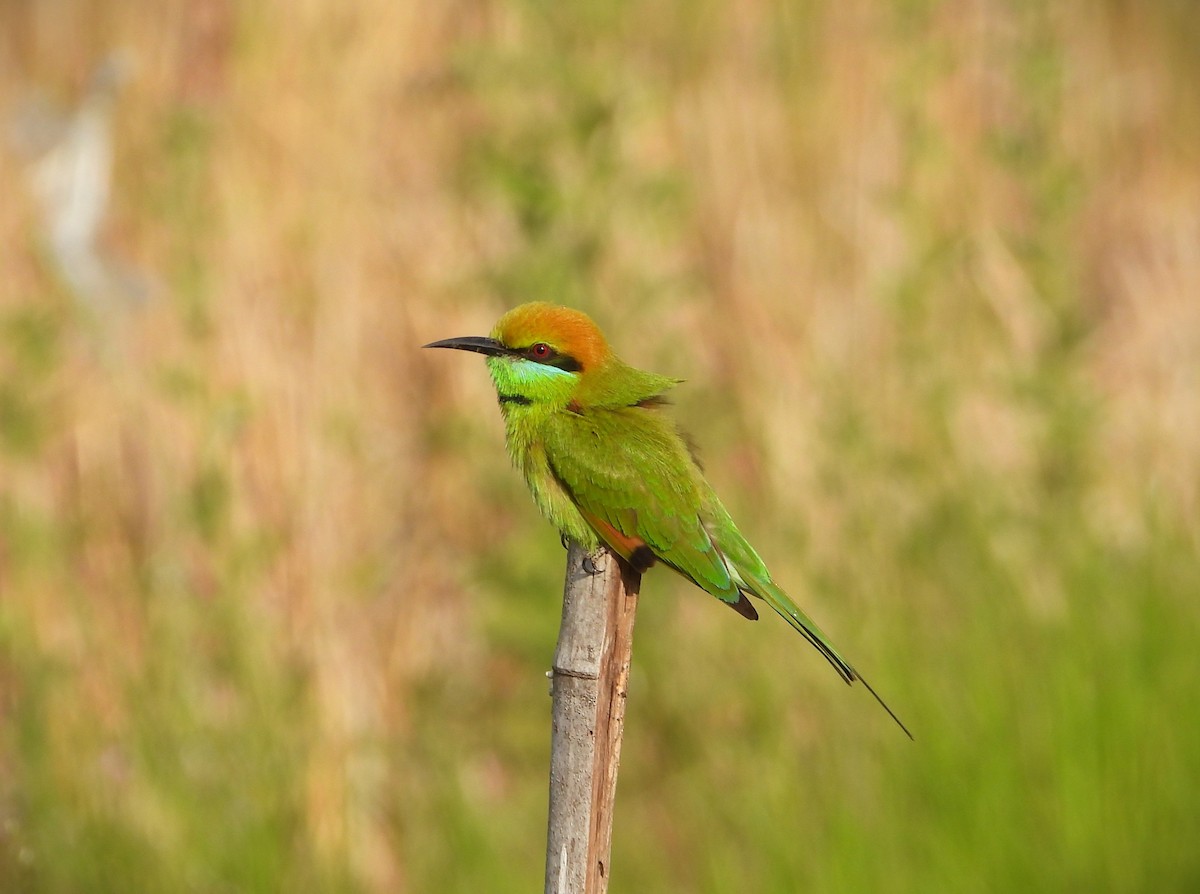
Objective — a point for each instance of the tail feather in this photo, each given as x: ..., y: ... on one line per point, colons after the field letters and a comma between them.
x: 884, y: 705
x: 804, y: 625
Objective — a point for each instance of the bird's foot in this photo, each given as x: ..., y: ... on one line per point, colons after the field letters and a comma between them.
x: 564, y: 540
x: 590, y: 560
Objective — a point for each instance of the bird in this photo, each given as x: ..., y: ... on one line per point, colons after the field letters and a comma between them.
x: 609, y: 467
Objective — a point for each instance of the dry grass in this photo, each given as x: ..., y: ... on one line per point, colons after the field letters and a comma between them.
x: 253, y: 544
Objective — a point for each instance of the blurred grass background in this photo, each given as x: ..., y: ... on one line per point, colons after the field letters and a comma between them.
x: 274, y: 610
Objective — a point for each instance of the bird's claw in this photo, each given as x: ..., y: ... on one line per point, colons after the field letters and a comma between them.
x: 589, y: 565
x: 589, y: 559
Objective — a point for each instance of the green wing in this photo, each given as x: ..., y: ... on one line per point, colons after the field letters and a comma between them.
x: 628, y: 469
x: 631, y: 476
x: 629, y: 472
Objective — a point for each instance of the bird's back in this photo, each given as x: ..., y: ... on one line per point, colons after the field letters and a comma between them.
x: 631, y: 476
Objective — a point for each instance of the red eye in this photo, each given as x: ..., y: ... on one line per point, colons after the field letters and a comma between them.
x: 540, y: 351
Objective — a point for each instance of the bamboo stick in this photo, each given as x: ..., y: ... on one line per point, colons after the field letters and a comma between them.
x: 589, y: 685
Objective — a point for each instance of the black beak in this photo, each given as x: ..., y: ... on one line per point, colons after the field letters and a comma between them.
x: 488, y: 346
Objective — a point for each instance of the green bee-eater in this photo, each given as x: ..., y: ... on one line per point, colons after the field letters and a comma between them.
x: 607, y: 465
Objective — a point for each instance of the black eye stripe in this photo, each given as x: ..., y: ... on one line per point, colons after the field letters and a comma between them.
x: 552, y: 358
x: 564, y: 362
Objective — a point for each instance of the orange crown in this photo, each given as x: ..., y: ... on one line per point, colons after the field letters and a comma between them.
x: 566, y: 330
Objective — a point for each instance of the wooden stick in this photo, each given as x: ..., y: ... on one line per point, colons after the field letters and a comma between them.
x: 590, y: 679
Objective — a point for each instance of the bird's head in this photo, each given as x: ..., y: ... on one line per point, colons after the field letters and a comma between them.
x: 538, y: 354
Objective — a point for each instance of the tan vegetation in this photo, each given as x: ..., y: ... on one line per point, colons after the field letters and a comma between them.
x: 273, y: 608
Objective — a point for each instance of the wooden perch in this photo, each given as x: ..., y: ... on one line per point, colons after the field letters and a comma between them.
x: 590, y: 679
